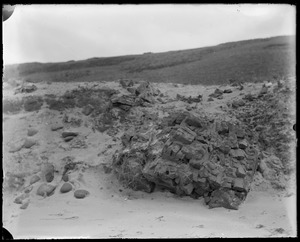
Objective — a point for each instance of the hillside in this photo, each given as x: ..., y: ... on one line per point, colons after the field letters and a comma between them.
x: 251, y: 61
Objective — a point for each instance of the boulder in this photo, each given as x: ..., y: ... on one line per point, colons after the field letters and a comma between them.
x: 227, y: 91
x: 224, y: 198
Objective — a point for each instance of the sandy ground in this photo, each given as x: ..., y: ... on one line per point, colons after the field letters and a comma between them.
x: 111, y: 211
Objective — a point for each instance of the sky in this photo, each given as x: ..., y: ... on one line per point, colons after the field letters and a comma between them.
x: 58, y: 33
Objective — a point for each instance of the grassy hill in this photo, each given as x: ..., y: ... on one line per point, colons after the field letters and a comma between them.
x: 249, y: 60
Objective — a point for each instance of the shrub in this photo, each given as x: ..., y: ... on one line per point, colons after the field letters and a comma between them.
x: 12, y: 106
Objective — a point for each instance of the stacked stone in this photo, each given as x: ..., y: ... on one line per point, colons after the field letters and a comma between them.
x: 200, y: 157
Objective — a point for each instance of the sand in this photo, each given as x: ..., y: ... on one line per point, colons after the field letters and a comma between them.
x: 110, y: 210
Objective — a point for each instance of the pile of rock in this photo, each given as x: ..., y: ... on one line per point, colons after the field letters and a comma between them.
x: 142, y: 95
x: 191, y: 156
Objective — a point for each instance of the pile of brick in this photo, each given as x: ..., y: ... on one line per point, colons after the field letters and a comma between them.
x: 192, y: 157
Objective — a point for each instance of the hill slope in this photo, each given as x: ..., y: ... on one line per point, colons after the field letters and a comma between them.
x: 250, y: 60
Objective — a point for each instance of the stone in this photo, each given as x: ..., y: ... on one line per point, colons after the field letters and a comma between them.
x: 69, y: 133
x: 238, y: 185
x: 227, y: 91
x: 25, y: 204
x: 68, y: 138
x: 224, y: 198
x: 188, y: 189
x: 65, y: 177
x: 243, y: 144
x: 56, y: 126
x: 34, y: 179
x: 184, y: 135
x: 237, y: 103
x: 88, y: 109
x: 81, y: 193
x: 49, y: 176
x: 241, y: 173
x: 66, y: 187
x: 19, y: 199
x: 237, y: 154
x: 32, y: 132
x: 210, y: 99
x: 15, y: 148
x: 28, y: 143
x: 45, y: 190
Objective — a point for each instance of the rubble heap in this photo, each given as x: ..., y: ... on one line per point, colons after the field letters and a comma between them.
x: 190, y: 156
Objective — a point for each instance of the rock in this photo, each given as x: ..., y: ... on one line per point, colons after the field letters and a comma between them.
x: 69, y: 133
x: 65, y: 177
x: 19, y: 199
x: 28, y: 143
x: 26, y: 89
x: 66, y: 187
x: 238, y: 185
x: 237, y: 154
x: 34, y: 179
x: 240, y: 172
x: 243, y: 144
x: 32, y: 132
x: 45, y: 190
x: 68, y: 138
x: 56, y: 126
x: 224, y: 198
x: 210, y: 99
x: 227, y: 91
x: 184, y: 135
x: 49, y: 176
x: 238, y: 103
x: 264, y: 90
x: 88, y: 109
x: 81, y: 193
x: 15, y: 148
x: 25, y: 204
x: 132, y: 90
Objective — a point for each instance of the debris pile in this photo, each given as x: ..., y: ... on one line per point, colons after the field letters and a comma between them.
x: 190, y: 156
x: 269, y: 114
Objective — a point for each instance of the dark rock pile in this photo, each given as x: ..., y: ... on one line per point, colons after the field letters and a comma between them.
x: 190, y: 156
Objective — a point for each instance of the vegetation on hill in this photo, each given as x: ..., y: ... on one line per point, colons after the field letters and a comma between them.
x: 246, y: 61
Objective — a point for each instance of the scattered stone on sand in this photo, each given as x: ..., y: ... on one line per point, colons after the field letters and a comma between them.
x: 32, y: 131
x: 66, y: 187
x: 45, y: 190
x: 34, y: 179
x: 81, y: 193
x: 56, y: 126
x: 28, y: 143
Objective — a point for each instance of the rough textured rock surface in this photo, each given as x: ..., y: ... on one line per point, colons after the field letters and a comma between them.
x: 191, y: 156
